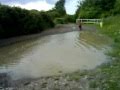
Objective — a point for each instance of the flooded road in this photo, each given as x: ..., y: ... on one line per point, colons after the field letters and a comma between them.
x: 53, y: 54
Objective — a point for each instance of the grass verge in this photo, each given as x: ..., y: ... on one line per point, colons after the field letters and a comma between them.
x: 107, y: 76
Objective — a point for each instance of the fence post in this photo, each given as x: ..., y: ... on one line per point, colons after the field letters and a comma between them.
x: 101, y: 24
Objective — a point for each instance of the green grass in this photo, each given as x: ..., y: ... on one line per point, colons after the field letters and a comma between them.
x: 112, y: 29
x: 110, y: 72
x: 112, y: 26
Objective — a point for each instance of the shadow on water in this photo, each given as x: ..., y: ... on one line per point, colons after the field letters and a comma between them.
x: 53, y: 54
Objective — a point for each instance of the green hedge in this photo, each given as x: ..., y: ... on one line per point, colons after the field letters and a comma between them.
x: 15, y: 21
x: 59, y: 21
x: 65, y: 19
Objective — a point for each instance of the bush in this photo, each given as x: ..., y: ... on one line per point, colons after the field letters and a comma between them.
x: 15, y: 21
x: 70, y: 18
x: 65, y: 19
x: 60, y: 21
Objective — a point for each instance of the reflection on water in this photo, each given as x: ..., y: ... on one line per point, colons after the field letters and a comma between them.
x: 53, y: 54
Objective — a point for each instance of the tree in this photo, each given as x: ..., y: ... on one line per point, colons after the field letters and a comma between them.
x: 116, y: 9
x: 60, y: 7
x: 95, y: 8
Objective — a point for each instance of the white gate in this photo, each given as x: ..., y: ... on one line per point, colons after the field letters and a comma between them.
x: 90, y: 21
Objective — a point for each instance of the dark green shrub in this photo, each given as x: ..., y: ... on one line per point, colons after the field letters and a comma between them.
x: 15, y: 21
x: 60, y: 21
x: 70, y: 18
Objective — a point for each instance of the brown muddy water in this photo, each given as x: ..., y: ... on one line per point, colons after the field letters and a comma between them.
x: 54, y: 54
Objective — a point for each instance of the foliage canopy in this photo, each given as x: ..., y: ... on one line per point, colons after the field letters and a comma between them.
x: 97, y: 8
